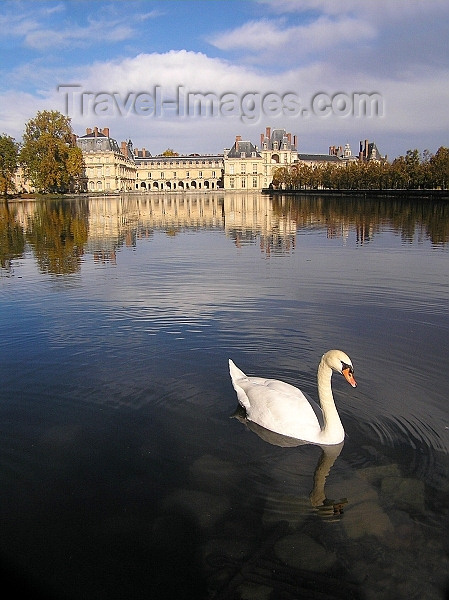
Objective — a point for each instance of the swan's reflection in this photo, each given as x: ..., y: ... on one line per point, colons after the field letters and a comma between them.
x: 326, y: 507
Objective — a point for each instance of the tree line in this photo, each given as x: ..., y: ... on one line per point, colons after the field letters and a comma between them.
x: 413, y: 171
x: 48, y: 155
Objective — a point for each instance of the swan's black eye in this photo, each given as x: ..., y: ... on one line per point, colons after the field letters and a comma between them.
x: 345, y: 366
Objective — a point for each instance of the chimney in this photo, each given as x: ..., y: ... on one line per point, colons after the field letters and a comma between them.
x: 96, y: 131
x: 295, y: 140
x: 105, y: 131
x: 88, y: 131
x: 261, y: 139
x: 124, y: 148
x: 268, y: 132
x: 289, y: 137
x: 136, y: 152
x: 237, y: 140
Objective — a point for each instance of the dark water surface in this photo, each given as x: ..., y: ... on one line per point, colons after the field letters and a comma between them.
x: 122, y: 473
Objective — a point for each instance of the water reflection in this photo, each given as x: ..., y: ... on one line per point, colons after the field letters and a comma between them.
x: 60, y: 231
x: 327, y: 508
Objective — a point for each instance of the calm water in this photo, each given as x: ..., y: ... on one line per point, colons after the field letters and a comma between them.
x: 122, y: 473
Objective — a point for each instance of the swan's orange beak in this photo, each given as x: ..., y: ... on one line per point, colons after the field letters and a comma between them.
x: 349, y: 376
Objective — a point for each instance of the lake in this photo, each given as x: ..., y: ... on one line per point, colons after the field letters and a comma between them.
x: 126, y: 469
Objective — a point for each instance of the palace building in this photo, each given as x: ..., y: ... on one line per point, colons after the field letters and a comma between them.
x: 247, y: 167
x: 177, y: 173
x: 110, y: 167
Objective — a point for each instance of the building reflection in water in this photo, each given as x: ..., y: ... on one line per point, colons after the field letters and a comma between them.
x: 100, y: 225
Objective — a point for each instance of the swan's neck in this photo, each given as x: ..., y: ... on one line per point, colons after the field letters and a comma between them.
x: 332, y: 431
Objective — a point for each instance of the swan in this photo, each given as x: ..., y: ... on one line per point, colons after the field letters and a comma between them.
x: 283, y: 408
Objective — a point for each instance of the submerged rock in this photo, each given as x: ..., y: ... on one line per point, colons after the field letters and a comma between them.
x: 374, y: 475
x: 366, y: 518
x: 405, y: 493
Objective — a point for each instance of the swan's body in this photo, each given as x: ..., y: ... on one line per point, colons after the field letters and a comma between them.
x: 284, y: 409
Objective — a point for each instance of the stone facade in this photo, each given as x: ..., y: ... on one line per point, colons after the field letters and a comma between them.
x: 247, y: 167
x: 177, y: 173
x: 108, y: 167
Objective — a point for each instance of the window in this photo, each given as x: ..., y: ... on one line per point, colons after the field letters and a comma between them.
x: 162, y: 175
x: 243, y: 183
x: 149, y: 175
x: 231, y: 169
x: 243, y: 168
x: 232, y: 183
x: 254, y: 182
x: 254, y: 168
x: 200, y: 173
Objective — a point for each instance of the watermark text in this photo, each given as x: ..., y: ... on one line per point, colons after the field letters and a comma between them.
x: 249, y: 106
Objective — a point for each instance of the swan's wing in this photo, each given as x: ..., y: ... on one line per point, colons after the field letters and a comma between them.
x: 277, y: 406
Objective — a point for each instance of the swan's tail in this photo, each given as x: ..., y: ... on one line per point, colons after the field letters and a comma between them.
x: 235, y: 372
x: 236, y: 376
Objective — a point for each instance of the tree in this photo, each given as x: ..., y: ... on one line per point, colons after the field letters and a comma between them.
x: 439, y: 165
x: 413, y: 168
x: 282, y: 178
x: 48, y: 154
x: 169, y: 152
x: 9, y: 154
x: 75, y: 165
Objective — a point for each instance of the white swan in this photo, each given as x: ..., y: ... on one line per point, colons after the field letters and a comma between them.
x: 283, y: 408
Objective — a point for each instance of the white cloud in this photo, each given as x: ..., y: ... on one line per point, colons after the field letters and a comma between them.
x: 41, y: 39
x: 267, y: 37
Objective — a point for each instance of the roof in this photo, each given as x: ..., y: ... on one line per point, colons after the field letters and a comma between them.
x: 98, y: 134
x: 245, y: 148
x: 319, y: 157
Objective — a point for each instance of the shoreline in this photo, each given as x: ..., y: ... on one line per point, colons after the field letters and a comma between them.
x: 402, y: 193
x: 430, y: 194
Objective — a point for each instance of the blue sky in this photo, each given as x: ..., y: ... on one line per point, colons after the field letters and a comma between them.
x: 139, y: 68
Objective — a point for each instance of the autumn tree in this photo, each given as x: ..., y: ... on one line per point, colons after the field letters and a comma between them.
x: 50, y: 159
x: 413, y: 169
x: 282, y: 178
x: 9, y: 153
x: 439, y: 166
x: 169, y: 152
